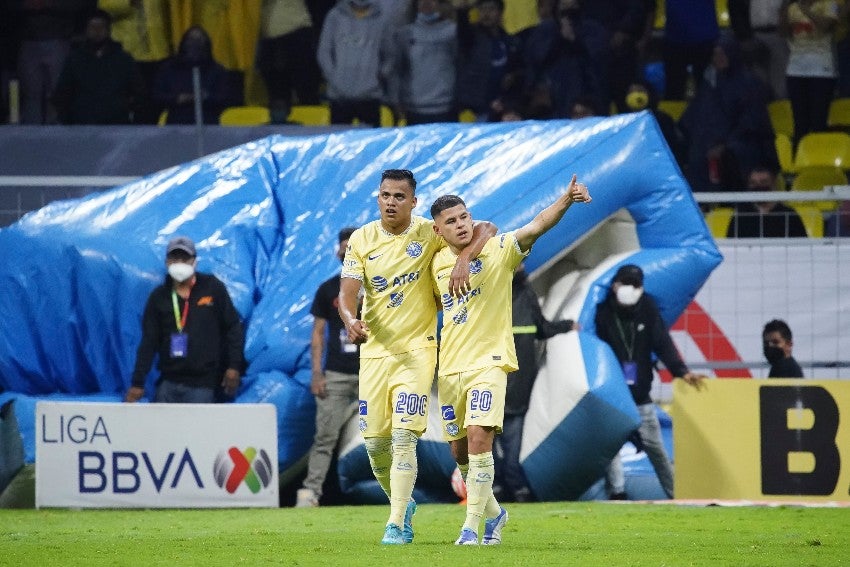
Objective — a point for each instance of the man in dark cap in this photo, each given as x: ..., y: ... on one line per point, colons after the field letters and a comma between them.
x: 334, y: 383
x: 629, y: 321
x: 191, y: 323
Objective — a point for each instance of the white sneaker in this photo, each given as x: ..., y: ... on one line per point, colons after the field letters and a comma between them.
x: 306, y: 498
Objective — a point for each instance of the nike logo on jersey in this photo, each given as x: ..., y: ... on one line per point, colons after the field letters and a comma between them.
x: 374, y: 256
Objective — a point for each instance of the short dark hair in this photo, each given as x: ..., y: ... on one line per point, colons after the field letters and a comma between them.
x: 445, y: 202
x: 500, y: 4
x: 346, y: 233
x: 778, y: 326
x: 400, y: 175
x: 98, y: 14
x: 762, y: 168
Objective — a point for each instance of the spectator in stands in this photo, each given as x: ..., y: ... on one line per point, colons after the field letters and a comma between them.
x: 809, y: 26
x: 46, y: 29
x: 173, y: 85
x: 529, y: 326
x: 426, y: 66
x: 778, y: 344
x: 489, y: 61
x: 613, y: 30
x: 756, y: 25
x: 354, y: 55
x: 629, y: 321
x: 559, y: 69
x: 288, y: 40
x: 141, y: 27
x: 842, y: 50
x: 766, y: 219
x: 336, y: 364
x: 726, y: 127
x: 190, y: 323
x: 100, y: 83
x: 641, y: 96
x: 583, y: 107
x: 690, y: 32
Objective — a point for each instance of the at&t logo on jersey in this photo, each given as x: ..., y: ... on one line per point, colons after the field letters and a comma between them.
x: 396, y: 299
x: 233, y: 467
x: 414, y: 249
x: 380, y: 283
x: 476, y: 266
x: 448, y: 302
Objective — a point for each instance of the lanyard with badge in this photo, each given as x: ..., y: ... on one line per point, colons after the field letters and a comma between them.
x: 629, y: 365
x: 179, y: 340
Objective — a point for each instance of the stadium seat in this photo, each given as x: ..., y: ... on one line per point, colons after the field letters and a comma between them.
x: 466, y: 115
x: 824, y: 149
x: 812, y: 218
x: 660, y: 15
x: 245, y: 116
x: 781, y: 117
x: 387, y: 117
x: 839, y: 114
x: 815, y: 178
x: 722, y: 8
x: 163, y: 118
x: 718, y: 220
x: 673, y: 108
x: 310, y: 115
x: 785, y: 153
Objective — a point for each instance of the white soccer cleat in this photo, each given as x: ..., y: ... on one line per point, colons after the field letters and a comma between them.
x: 306, y: 498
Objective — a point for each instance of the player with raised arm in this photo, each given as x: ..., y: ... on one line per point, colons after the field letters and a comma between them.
x: 389, y: 260
x: 477, y: 347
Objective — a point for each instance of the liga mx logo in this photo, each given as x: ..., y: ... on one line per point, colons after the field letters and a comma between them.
x: 475, y: 266
x: 396, y: 299
x: 414, y: 249
x: 379, y: 283
x: 460, y: 317
x: 233, y: 467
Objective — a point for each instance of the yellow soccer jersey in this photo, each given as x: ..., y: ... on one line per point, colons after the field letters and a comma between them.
x: 477, y: 327
x: 398, y: 306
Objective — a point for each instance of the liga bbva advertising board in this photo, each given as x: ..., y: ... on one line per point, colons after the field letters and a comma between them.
x: 771, y: 440
x: 111, y: 455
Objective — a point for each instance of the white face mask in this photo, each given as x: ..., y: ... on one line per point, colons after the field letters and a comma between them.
x: 628, y: 295
x: 180, y: 272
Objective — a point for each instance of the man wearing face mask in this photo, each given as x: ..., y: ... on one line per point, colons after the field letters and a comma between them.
x: 191, y: 324
x: 629, y: 321
x: 778, y: 343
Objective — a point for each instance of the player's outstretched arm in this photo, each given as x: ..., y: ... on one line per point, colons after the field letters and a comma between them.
x: 549, y: 217
x: 482, y: 231
x: 349, y: 289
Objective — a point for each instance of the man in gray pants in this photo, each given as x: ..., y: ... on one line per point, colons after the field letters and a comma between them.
x: 335, y: 384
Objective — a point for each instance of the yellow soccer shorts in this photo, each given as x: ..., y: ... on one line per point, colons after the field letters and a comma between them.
x: 475, y: 397
x: 395, y: 391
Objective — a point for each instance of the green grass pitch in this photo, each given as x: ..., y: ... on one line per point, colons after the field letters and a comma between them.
x: 555, y: 533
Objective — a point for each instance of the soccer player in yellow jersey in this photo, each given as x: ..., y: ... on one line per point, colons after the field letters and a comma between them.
x: 477, y: 347
x: 389, y: 259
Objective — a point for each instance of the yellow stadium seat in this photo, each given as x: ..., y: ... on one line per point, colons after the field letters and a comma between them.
x: 387, y: 117
x: 466, y: 115
x: 718, y: 220
x: 815, y: 178
x: 785, y: 153
x: 781, y: 117
x: 812, y: 218
x: 674, y: 108
x: 660, y: 15
x: 722, y: 8
x: 823, y: 149
x: 310, y: 115
x: 839, y: 114
x: 163, y: 118
x: 245, y: 116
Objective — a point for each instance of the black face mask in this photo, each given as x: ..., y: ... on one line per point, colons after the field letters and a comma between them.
x: 773, y: 354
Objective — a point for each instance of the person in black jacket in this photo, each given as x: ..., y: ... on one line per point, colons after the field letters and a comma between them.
x: 629, y: 321
x: 191, y: 323
x: 529, y: 326
x: 778, y: 343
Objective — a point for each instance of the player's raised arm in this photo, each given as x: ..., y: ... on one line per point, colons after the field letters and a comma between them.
x: 482, y: 231
x: 349, y: 289
x: 549, y: 217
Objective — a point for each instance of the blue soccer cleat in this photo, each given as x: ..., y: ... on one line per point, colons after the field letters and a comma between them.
x: 467, y: 537
x: 407, y: 530
x: 493, y: 528
x: 393, y: 535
